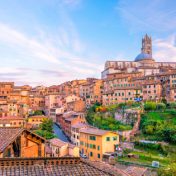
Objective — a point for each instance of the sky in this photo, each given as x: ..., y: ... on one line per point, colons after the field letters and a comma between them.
x: 47, y: 42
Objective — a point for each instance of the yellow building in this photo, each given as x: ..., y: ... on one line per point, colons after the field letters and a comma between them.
x: 95, y: 143
x: 35, y: 121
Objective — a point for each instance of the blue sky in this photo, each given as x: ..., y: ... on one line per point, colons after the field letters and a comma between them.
x: 46, y: 42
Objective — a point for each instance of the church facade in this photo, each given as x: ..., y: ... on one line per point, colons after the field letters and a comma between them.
x: 144, y: 62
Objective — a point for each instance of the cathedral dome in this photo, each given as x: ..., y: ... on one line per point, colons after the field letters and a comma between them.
x: 143, y: 56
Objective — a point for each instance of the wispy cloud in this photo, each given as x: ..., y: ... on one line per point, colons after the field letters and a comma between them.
x: 158, y: 15
x: 62, y: 51
x: 32, y: 47
x: 53, y: 73
x: 165, y: 49
x: 48, y: 52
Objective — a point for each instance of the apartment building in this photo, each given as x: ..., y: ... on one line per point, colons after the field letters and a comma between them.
x: 60, y: 148
x: 120, y: 88
x: 71, y: 120
x: 75, y: 132
x: 95, y: 142
x: 35, y: 121
x: 12, y: 121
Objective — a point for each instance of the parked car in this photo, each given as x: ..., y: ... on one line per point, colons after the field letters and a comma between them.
x: 82, y: 155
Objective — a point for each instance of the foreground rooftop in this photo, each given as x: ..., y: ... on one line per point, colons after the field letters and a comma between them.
x: 64, y: 166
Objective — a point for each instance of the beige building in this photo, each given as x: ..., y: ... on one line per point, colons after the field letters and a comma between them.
x: 75, y: 132
x: 60, y: 148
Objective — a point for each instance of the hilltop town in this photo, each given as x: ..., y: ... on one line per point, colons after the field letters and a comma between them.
x: 121, y: 124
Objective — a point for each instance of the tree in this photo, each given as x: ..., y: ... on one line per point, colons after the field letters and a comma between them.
x: 161, y: 106
x: 38, y: 112
x: 47, y: 125
x: 46, y: 129
x: 172, y: 105
x: 149, y: 129
x: 149, y: 106
x: 45, y: 134
x: 164, y: 101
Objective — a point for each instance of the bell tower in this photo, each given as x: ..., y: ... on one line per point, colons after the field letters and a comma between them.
x: 146, y: 45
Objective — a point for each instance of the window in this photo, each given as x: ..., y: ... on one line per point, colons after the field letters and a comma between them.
x: 107, y: 138
x: 93, y: 138
x: 81, y: 143
x: 98, y: 147
x: 91, y: 154
x: 98, y: 155
x: 115, y: 138
x: 94, y: 146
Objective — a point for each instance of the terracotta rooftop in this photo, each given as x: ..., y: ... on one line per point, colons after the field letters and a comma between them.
x: 68, y: 114
x: 38, y: 116
x: 79, y: 125
x: 80, y: 169
x: 136, y: 171
x: 57, y: 142
x: 57, y: 166
x: 11, y: 117
x: 8, y: 135
x: 94, y: 131
x: 71, y: 146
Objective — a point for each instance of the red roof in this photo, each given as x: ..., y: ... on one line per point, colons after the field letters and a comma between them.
x: 11, y: 117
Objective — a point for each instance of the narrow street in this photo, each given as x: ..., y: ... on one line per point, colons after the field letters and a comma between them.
x: 58, y: 132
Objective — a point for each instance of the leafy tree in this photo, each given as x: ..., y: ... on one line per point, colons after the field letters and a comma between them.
x: 169, y: 134
x: 149, y: 106
x: 38, y: 112
x: 46, y: 129
x: 47, y: 125
x: 45, y: 134
x: 172, y: 105
x: 161, y: 106
x: 164, y: 101
x: 149, y: 129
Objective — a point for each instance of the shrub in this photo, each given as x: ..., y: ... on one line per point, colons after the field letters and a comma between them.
x: 149, y: 106
x: 172, y: 105
x: 149, y: 129
x: 164, y: 101
x: 161, y: 106
x: 151, y: 146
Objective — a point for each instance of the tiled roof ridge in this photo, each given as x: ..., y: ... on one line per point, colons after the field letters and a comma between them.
x: 108, y: 169
x: 12, y: 139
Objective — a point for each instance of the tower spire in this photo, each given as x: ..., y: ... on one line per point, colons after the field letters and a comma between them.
x: 146, y: 45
